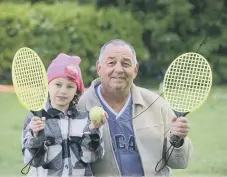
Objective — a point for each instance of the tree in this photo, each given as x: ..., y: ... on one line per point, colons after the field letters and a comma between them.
x: 173, y: 27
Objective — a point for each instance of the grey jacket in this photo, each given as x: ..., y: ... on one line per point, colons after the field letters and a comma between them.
x: 151, y: 134
x: 66, y: 148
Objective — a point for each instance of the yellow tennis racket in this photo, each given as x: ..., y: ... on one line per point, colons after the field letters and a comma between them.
x: 187, y: 84
x: 31, y: 85
x: 30, y: 80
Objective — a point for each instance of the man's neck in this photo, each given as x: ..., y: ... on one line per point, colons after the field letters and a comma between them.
x: 116, y: 100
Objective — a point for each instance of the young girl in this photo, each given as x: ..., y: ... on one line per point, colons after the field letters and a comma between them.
x: 65, y: 142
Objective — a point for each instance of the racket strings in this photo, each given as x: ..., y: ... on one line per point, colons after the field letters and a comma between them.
x: 187, y: 82
x: 30, y: 82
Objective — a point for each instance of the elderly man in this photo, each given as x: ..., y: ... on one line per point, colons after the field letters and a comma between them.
x: 137, y: 135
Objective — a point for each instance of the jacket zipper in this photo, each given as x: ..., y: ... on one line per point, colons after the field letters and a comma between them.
x: 133, y: 114
x: 113, y: 150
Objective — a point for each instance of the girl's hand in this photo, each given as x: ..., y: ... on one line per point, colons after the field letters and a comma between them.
x: 37, y: 125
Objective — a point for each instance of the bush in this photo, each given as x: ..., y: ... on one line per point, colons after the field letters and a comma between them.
x: 66, y: 27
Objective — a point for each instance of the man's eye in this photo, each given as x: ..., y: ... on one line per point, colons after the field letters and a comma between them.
x: 126, y: 64
x: 110, y: 63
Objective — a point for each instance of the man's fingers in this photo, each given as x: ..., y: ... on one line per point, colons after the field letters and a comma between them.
x: 180, y: 134
x: 180, y: 130
x: 181, y: 119
x: 180, y: 125
x: 174, y: 119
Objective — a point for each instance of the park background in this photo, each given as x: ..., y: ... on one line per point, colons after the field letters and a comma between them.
x: 159, y: 30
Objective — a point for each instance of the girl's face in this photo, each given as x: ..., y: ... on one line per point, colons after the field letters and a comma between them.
x: 62, y: 91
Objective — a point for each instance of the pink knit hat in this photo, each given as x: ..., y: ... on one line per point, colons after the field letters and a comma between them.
x: 66, y: 66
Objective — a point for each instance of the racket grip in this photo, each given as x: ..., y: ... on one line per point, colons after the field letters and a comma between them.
x: 40, y: 115
x: 181, y: 114
x: 41, y: 133
x: 174, y: 140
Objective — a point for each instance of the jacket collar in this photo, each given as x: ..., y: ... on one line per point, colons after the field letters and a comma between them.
x: 92, y: 99
x: 72, y: 111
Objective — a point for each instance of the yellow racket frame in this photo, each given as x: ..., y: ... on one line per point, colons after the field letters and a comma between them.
x: 30, y: 79
x: 187, y: 82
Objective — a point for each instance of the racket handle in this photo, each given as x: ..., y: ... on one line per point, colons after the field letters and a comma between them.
x: 40, y: 115
x: 181, y: 114
x: 174, y: 139
x: 41, y: 133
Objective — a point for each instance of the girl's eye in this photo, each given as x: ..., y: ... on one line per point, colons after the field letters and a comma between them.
x: 59, y: 85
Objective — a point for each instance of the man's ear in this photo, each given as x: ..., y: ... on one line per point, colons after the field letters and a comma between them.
x: 136, y: 69
x: 98, y: 67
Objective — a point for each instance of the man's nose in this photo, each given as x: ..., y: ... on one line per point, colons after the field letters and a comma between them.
x: 118, y: 67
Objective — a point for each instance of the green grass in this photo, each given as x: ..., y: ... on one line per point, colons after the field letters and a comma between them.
x: 208, y: 125
x: 208, y: 134
x: 11, y: 122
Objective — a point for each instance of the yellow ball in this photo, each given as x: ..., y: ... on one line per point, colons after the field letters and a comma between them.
x: 96, y: 114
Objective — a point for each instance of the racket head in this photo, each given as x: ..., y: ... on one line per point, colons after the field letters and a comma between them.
x: 187, y: 82
x: 30, y: 79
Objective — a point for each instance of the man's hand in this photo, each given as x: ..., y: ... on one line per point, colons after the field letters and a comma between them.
x: 179, y: 127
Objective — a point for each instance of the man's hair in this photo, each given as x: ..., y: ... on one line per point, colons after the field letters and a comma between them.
x: 117, y: 42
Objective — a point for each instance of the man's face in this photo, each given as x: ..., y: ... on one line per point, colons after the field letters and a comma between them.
x: 117, y: 70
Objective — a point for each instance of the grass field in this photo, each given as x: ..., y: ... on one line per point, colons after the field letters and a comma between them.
x: 208, y: 125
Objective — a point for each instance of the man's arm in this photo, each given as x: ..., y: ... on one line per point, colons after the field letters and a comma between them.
x: 182, y: 153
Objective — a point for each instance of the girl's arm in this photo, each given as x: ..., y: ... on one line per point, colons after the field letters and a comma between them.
x: 88, y: 140
x: 32, y: 147
x: 92, y: 144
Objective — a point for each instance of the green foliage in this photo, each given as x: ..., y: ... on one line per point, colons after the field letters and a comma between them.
x: 160, y: 30
x: 173, y: 27
x: 52, y: 29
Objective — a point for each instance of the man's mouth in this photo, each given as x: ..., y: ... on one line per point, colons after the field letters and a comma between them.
x: 118, y: 78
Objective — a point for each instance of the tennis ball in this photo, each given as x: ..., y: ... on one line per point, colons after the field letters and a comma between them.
x: 96, y: 114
